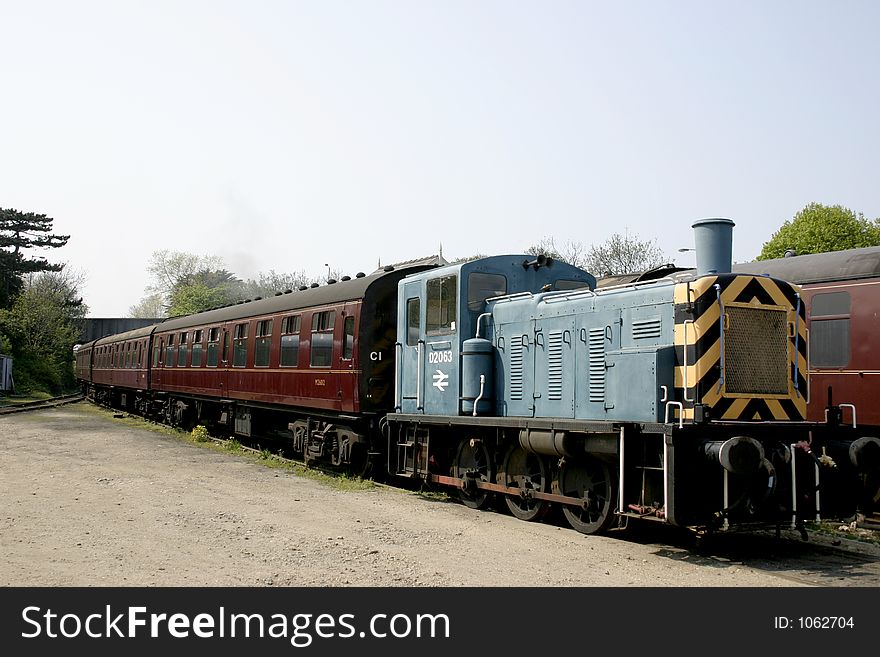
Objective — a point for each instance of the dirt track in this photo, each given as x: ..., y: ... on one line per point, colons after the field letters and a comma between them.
x: 89, y: 500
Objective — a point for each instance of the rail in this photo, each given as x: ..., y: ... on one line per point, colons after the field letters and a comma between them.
x: 52, y: 402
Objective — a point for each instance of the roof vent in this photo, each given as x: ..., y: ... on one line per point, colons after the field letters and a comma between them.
x: 346, y: 278
x: 278, y: 294
x: 257, y: 298
x: 360, y: 274
x: 313, y: 285
x: 388, y: 268
x: 288, y: 291
x: 331, y: 281
x: 303, y: 287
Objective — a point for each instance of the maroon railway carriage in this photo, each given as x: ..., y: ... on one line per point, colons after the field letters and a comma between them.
x: 119, y: 366
x: 82, y: 368
x: 316, y: 364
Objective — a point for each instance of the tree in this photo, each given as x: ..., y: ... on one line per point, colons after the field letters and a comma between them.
x: 20, y: 231
x: 623, y: 254
x: 820, y: 228
x: 168, y: 268
x: 42, y: 325
x: 574, y: 253
x: 266, y: 284
x: 196, y: 297
x: 171, y: 272
x: 151, y: 306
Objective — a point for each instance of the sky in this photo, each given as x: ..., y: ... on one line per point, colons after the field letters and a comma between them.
x: 292, y: 135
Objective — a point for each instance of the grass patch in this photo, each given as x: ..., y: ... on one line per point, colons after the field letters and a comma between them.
x: 24, y: 399
x: 845, y: 530
x: 199, y: 437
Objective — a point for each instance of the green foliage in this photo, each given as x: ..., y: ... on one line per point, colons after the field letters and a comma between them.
x: 5, y: 345
x: 20, y: 231
x: 184, y: 283
x: 151, y: 306
x: 41, y: 327
x: 190, y: 298
x: 821, y: 228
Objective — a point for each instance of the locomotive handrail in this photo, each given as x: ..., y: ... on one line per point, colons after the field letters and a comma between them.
x: 621, y: 286
x: 509, y: 297
x: 680, y: 413
x: 684, y: 325
x: 721, y: 322
x: 398, y: 361
x: 852, y: 406
x: 420, y: 373
x: 566, y: 295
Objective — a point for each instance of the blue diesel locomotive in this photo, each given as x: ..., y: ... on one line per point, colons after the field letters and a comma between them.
x: 680, y: 400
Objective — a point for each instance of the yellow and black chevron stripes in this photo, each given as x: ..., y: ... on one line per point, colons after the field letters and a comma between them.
x: 698, y: 346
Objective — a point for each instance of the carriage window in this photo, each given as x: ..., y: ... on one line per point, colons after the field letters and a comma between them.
x: 181, y: 351
x: 196, y: 360
x: 290, y: 341
x: 264, y: 342
x: 348, y: 346
x: 413, y: 309
x: 170, y: 351
x: 482, y: 286
x: 441, y: 305
x: 322, y: 338
x: 239, y: 349
x: 157, y: 353
x: 213, y: 347
x: 829, y: 330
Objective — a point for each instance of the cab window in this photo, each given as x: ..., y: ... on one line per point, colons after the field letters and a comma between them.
x: 482, y: 286
x: 441, y: 306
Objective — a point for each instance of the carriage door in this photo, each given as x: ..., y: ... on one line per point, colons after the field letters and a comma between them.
x: 223, y: 369
x: 346, y: 379
x: 411, y: 368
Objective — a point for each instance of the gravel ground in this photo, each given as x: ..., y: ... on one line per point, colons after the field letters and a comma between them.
x: 88, y: 500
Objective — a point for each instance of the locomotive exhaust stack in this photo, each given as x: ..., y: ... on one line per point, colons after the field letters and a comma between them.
x: 713, y: 239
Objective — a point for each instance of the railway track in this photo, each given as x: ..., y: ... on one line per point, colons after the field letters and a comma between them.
x: 40, y: 404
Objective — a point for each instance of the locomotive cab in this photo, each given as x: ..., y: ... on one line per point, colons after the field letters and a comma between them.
x: 439, y: 313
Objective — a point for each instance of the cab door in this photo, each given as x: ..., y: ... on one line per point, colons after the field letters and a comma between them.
x: 411, y: 350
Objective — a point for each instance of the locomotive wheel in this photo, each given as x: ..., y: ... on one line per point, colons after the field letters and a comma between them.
x: 473, y: 463
x: 591, y: 481
x: 528, y: 472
